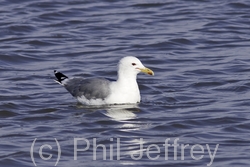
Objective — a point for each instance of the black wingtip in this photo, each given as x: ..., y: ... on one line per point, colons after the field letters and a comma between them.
x: 59, y: 76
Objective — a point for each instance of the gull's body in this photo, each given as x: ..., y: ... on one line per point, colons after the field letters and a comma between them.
x: 100, y: 91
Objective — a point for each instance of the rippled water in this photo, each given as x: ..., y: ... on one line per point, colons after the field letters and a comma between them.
x: 199, y: 51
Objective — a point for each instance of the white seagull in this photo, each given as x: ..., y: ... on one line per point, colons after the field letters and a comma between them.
x: 100, y: 91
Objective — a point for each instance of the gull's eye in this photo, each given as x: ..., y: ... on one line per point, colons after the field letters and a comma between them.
x: 133, y: 64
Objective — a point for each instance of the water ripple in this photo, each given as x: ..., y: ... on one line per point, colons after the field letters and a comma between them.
x: 199, y: 51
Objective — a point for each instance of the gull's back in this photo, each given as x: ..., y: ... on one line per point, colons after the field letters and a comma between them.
x: 93, y: 88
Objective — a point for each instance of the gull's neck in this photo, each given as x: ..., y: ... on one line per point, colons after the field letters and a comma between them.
x: 126, y: 78
x: 125, y: 89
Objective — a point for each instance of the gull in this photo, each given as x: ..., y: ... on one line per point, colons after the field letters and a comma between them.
x: 101, y: 91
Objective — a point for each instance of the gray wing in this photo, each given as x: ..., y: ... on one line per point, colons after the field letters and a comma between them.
x: 96, y: 88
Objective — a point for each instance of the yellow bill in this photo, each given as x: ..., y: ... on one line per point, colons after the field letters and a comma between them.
x: 147, y: 71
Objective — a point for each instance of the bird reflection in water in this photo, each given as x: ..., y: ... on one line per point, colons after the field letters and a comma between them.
x: 122, y: 112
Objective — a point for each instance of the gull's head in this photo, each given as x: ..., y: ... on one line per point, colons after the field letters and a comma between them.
x: 132, y: 65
